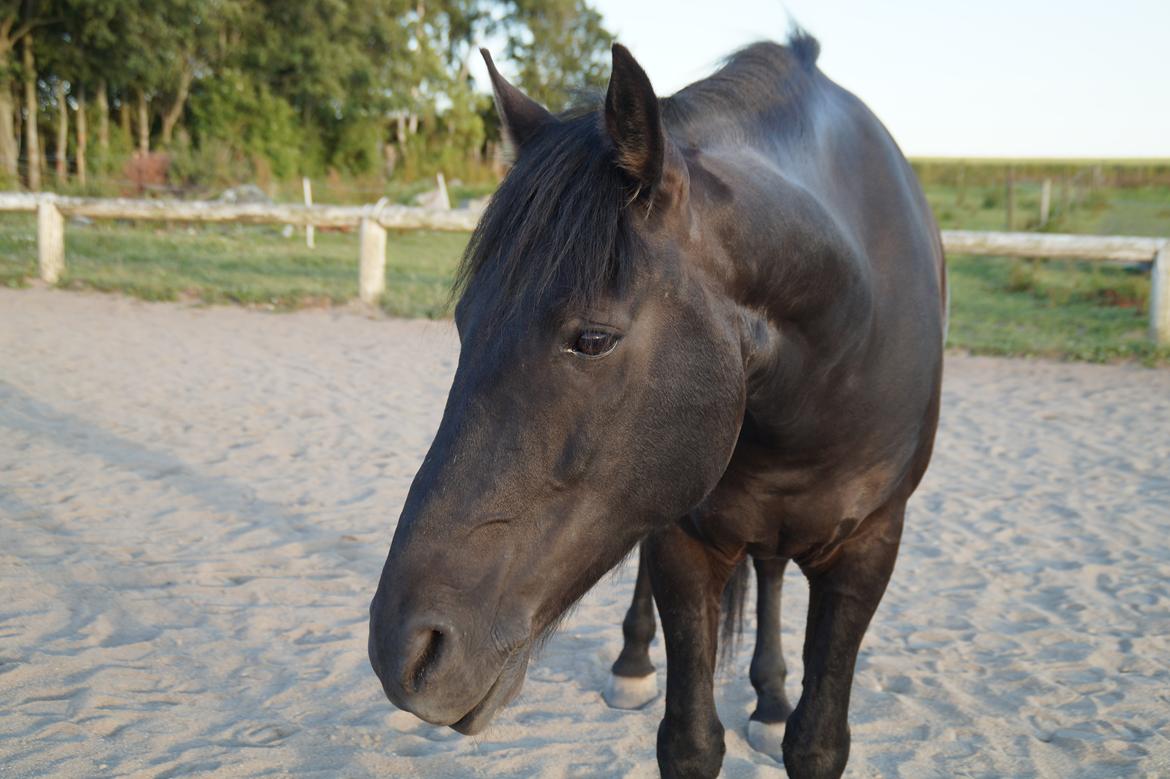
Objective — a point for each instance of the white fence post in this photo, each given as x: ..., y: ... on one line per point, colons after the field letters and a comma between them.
x: 307, y: 188
x: 372, y: 275
x: 1160, y: 297
x: 50, y: 240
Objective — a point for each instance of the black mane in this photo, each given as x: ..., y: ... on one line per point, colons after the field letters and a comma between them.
x: 556, y: 231
x: 765, y: 78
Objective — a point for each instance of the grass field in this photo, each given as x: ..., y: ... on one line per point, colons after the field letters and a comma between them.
x: 237, y: 264
x: 1130, y: 211
x: 1064, y: 310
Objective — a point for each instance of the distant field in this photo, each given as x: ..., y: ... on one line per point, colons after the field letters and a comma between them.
x: 1065, y: 310
x: 1131, y: 211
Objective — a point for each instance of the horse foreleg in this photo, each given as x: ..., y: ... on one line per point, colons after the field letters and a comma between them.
x: 768, y: 671
x: 843, y: 595
x: 688, y: 578
x: 633, y: 682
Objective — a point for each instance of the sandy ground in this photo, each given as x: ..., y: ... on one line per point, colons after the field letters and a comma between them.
x: 195, y: 504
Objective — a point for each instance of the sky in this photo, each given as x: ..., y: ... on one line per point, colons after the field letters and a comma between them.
x: 949, y: 78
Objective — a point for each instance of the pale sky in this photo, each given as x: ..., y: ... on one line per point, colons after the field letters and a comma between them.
x: 981, y: 78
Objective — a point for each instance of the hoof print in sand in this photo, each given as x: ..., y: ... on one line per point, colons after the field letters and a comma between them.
x: 262, y: 735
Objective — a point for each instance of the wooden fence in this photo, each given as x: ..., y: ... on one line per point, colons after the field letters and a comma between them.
x: 373, y: 222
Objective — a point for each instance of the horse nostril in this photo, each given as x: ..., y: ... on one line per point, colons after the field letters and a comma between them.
x: 427, y: 645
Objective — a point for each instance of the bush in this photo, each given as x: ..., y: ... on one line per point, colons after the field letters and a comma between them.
x: 359, y: 148
x: 1113, y: 290
x: 1064, y: 284
x: 234, y: 115
x: 1022, y: 278
x: 211, y: 165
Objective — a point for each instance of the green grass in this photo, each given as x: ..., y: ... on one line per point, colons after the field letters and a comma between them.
x: 1131, y: 211
x: 237, y: 264
x: 1063, y: 310
x: 18, y: 249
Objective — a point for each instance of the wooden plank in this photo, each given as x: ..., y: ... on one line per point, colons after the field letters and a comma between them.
x: 16, y: 202
x: 210, y: 212
x: 396, y: 217
x: 1053, y: 245
x: 407, y: 218
x: 392, y: 217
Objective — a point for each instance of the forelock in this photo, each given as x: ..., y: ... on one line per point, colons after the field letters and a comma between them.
x: 556, y: 231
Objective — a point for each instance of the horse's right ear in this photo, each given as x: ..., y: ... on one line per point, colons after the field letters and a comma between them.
x: 520, y: 115
x: 633, y: 121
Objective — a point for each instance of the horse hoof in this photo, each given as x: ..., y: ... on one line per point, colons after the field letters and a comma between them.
x: 767, y: 737
x: 630, y: 692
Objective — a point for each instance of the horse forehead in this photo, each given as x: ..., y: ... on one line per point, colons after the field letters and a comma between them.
x: 497, y: 350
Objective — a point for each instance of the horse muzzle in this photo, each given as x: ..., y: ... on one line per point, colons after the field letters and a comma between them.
x: 433, y: 668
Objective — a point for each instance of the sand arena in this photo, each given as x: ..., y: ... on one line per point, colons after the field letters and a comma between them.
x: 195, y: 504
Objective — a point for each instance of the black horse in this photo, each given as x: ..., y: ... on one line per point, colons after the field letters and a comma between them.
x: 711, y: 322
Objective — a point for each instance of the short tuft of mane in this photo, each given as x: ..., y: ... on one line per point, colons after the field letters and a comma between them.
x: 763, y: 80
x: 804, y: 47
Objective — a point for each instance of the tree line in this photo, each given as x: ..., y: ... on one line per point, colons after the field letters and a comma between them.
x: 200, y: 91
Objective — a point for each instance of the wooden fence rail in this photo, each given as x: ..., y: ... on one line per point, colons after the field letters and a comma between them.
x: 373, y: 221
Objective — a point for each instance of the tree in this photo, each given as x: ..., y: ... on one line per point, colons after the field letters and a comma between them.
x: 18, y: 21
x: 61, y: 63
x: 32, y: 142
x: 561, y: 49
x: 232, y: 86
x: 11, y: 33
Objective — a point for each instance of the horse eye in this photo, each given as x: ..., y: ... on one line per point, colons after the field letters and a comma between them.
x: 594, y: 343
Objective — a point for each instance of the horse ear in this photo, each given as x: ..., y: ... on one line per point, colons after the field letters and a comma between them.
x: 520, y: 115
x: 633, y: 121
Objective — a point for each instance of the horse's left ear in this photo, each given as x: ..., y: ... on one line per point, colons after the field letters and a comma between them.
x: 634, y: 123
x: 520, y: 115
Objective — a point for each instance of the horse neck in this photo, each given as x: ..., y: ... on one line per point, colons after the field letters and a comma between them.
x: 785, y: 256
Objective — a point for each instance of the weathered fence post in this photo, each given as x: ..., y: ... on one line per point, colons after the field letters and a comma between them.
x: 50, y: 239
x: 307, y: 188
x: 372, y: 276
x: 1010, y: 197
x: 1045, y: 201
x: 1160, y: 297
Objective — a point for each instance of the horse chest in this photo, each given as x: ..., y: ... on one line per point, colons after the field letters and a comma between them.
x: 791, y: 511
